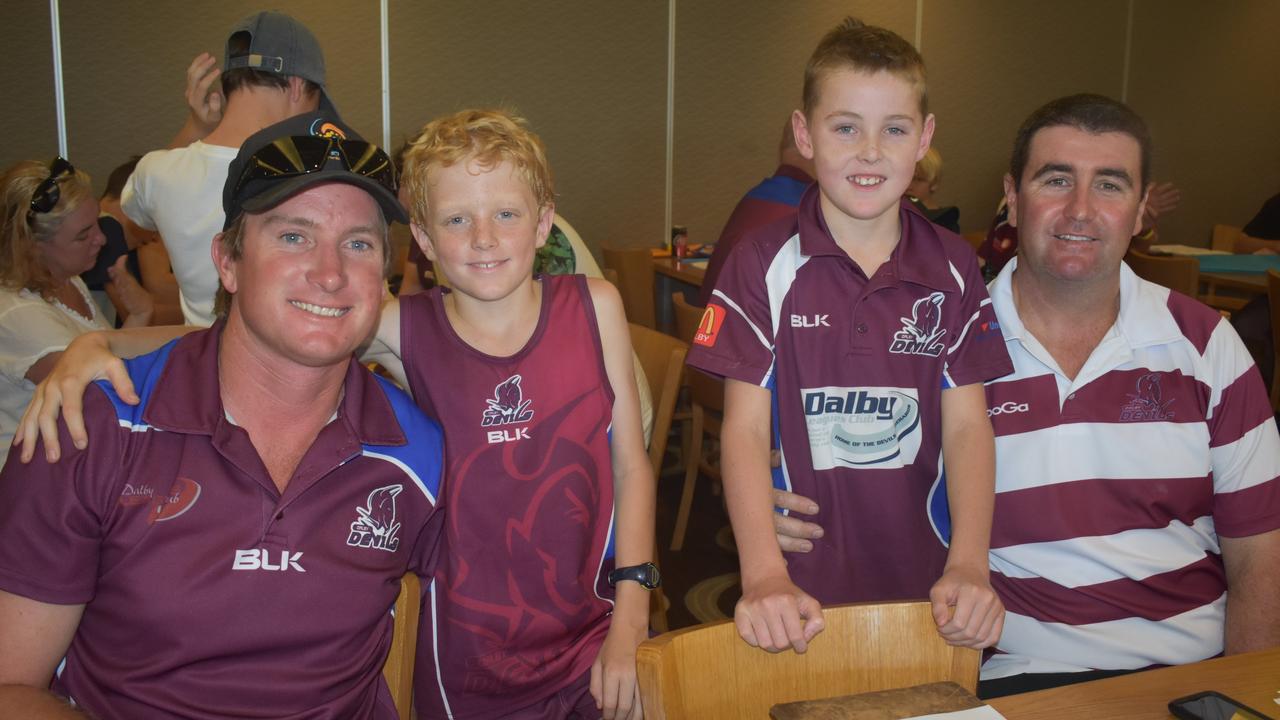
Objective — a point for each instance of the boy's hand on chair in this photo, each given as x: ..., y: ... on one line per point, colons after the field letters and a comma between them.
x: 613, y: 674
x: 966, y: 609
x: 774, y: 615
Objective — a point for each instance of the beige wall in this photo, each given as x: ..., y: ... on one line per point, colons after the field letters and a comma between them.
x: 592, y: 78
x: 1205, y: 79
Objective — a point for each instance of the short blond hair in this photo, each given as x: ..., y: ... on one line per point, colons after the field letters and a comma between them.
x: 486, y: 136
x: 929, y: 168
x: 856, y: 46
x: 20, y: 269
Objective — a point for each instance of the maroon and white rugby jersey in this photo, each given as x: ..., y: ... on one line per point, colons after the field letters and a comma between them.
x: 208, y: 593
x: 519, y: 606
x: 1113, y: 488
x: 857, y: 368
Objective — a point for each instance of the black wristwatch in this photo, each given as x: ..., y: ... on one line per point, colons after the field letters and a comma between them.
x: 646, y: 574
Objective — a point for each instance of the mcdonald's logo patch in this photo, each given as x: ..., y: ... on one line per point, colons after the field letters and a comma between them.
x: 709, y: 326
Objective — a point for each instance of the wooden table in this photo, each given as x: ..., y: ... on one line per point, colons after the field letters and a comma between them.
x: 670, y: 275
x: 1252, y: 678
x: 1255, y: 283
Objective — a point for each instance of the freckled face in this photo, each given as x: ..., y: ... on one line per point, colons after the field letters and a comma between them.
x: 864, y: 135
x: 483, y: 227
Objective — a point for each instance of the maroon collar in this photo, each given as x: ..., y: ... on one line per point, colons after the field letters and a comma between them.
x: 187, y: 397
x: 919, y: 256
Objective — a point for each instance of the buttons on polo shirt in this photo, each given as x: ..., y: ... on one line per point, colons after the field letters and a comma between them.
x: 861, y: 328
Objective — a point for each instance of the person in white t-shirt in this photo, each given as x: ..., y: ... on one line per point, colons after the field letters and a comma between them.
x: 273, y: 69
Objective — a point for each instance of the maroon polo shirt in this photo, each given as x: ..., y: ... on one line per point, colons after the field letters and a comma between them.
x: 857, y: 367
x: 208, y: 593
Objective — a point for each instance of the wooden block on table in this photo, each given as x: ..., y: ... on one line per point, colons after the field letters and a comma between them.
x: 883, y: 705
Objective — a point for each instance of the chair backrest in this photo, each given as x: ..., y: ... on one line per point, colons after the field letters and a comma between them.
x: 704, y: 389
x: 976, y: 238
x: 708, y: 672
x: 635, y: 281
x: 1224, y: 237
x: 1174, y: 272
x: 662, y: 358
x: 398, y: 669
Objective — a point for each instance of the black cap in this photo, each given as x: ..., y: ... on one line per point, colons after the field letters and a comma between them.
x: 264, y: 193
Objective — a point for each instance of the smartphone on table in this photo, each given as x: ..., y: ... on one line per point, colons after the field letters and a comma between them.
x: 1212, y: 706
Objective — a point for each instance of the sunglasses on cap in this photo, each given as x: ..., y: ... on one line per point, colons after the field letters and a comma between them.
x: 305, y: 154
x: 45, y: 198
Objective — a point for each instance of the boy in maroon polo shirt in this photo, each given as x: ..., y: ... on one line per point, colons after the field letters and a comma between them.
x: 871, y: 330
x: 231, y: 543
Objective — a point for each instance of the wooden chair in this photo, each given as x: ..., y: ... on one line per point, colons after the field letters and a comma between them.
x: 398, y: 669
x: 976, y: 238
x: 635, y: 282
x: 1273, y: 300
x: 708, y: 672
x: 662, y: 358
x: 706, y: 410
x: 1176, y: 273
x: 1224, y: 237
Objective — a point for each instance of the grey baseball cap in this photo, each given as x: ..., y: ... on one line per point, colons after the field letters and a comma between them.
x: 276, y: 43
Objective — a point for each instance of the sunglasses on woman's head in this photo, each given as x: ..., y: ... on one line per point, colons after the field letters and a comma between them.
x: 45, y: 198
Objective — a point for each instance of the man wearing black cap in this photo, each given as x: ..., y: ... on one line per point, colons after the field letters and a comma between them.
x: 272, y: 69
x: 229, y: 544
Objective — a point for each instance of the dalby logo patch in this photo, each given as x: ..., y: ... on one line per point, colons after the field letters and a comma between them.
x: 920, y: 334
x: 709, y: 325
x: 871, y: 427
x: 376, y: 524
x: 183, y: 494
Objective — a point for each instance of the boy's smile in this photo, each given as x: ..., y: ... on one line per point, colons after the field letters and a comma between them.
x: 864, y: 136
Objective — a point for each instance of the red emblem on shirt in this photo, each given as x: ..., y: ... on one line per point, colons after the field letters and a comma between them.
x: 709, y: 326
x: 182, y: 495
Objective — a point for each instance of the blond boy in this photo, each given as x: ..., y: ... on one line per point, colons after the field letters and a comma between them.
x: 871, y: 331
x: 549, y: 488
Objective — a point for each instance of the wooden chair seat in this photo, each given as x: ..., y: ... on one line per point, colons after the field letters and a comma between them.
x: 708, y: 672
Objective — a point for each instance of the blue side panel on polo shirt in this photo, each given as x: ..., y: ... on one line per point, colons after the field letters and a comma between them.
x: 422, y: 457
x: 145, y: 372
x: 779, y: 189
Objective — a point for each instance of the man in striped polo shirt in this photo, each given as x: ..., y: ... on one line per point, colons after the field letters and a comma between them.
x: 1137, y: 516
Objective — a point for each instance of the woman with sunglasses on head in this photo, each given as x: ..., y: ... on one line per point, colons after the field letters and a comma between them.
x: 49, y: 236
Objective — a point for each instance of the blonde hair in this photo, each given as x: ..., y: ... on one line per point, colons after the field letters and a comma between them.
x: 929, y: 168
x: 20, y: 269
x: 863, y: 48
x: 487, y: 137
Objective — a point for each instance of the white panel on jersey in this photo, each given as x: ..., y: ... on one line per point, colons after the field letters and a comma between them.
x: 780, y: 276
x: 1135, y: 554
x: 1136, y: 450
x: 1251, y: 460
x: 1115, y: 645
